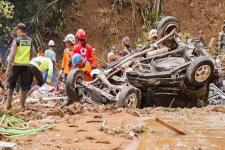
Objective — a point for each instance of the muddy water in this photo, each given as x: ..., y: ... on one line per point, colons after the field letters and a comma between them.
x: 204, y: 132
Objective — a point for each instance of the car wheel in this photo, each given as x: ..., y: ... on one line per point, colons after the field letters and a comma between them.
x: 166, y: 25
x: 129, y: 97
x: 72, y: 84
x: 200, y: 71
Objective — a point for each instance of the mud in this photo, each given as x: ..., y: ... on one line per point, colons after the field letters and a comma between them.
x: 203, y: 131
x: 105, y: 127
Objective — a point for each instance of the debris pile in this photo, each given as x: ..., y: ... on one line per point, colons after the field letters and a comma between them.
x: 216, y: 95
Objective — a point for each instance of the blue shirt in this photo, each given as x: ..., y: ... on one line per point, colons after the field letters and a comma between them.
x: 49, y: 53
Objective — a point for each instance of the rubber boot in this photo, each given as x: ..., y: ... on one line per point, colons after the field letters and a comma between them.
x: 9, y: 98
x: 66, y: 102
x: 23, y: 97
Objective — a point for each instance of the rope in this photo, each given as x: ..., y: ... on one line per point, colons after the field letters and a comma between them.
x: 11, y: 126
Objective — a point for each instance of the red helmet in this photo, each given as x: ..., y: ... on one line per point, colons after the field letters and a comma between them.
x: 81, y: 34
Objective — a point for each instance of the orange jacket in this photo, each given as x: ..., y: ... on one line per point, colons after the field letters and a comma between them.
x: 94, y: 60
x: 87, y: 69
x: 66, y: 60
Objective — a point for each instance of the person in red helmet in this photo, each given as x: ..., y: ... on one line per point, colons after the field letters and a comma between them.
x: 82, y: 47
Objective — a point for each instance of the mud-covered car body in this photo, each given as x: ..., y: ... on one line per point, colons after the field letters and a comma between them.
x: 168, y: 69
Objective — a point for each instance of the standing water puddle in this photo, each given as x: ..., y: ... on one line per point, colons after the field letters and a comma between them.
x: 206, y: 132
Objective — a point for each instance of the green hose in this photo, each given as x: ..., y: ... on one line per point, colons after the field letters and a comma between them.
x: 16, y: 127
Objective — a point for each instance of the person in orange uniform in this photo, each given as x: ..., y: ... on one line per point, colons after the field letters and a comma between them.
x: 77, y: 61
x: 68, y: 53
x: 94, y: 59
x: 84, y: 65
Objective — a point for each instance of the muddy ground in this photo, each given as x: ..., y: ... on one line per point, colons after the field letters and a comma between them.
x: 83, y: 126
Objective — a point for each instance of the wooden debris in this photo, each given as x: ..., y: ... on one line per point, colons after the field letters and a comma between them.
x: 89, y: 138
x: 169, y: 126
x: 98, y: 116
x: 211, y: 43
x: 103, y: 142
x: 94, y: 121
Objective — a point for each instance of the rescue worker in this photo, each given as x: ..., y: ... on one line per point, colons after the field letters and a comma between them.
x: 50, y: 53
x: 221, y: 39
x: 94, y: 59
x: 41, y: 52
x: 112, y: 55
x: 125, y: 46
x: 84, y: 65
x: 78, y: 62
x: 201, y: 37
x: 152, y: 36
x: 18, y: 66
x: 82, y: 47
x: 68, y: 53
x: 38, y: 66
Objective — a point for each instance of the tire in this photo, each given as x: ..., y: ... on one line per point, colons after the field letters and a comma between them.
x: 200, y: 71
x: 71, y: 88
x: 166, y: 25
x: 124, y: 96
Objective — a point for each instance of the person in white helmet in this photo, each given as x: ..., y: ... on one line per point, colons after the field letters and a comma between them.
x: 68, y: 53
x: 50, y: 53
x: 152, y: 36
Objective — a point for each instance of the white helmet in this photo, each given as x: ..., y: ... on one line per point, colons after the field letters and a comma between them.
x: 70, y: 38
x: 51, y: 43
x: 153, y: 33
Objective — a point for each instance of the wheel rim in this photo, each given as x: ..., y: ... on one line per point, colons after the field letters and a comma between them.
x: 131, y: 101
x: 202, y: 73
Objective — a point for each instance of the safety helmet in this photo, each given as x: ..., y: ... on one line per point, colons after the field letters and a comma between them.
x: 76, y: 59
x: 51, y: 43
x: 21, y: 26
x: 70, y: 38
x: 152, y: 33
x: 126, y: 40
x: 81, y: 34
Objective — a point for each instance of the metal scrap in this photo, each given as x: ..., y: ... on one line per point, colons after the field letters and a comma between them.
x: 216, y: 95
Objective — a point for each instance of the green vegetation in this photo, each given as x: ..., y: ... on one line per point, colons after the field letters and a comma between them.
x: 6, y: 15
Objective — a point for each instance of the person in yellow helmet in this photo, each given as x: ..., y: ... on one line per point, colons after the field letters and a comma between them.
x: 18, y: 64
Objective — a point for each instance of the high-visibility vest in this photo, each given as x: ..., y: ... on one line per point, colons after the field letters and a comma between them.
x: 23, y: 50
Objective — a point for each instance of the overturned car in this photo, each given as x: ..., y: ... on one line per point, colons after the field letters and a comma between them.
x: 168, y: 72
